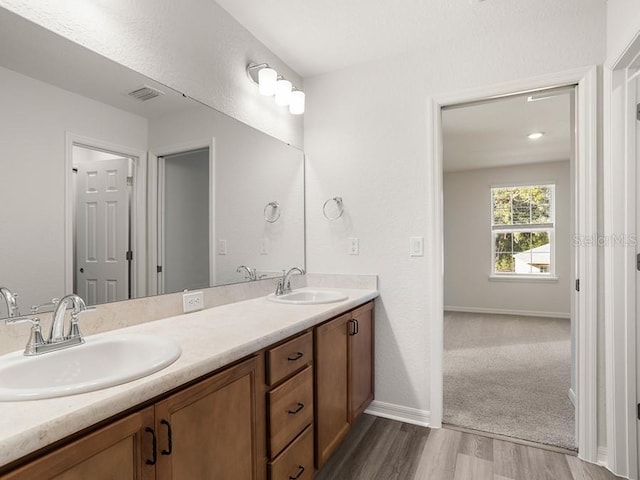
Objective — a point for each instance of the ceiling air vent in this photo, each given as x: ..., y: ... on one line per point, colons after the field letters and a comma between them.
x: 144, y: 93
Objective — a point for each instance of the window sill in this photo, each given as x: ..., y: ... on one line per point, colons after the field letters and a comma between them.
x: 524, y: 278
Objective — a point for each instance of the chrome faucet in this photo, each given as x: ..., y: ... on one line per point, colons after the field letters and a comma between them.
x: 56, y: 332
x: 284, y: 284
x: 250, y: 272
x: 36, y: 344
x: 11, y: 300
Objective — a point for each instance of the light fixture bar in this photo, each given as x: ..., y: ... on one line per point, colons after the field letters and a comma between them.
x: 270, y: 83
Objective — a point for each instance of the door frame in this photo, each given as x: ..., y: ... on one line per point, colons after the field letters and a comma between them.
x: 138, y: 228
x: 152, y: 216
x: 621, y: 277
x: 586, y: 82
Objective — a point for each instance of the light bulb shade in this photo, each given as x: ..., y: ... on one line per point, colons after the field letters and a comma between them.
x: 283, y: 92
x: 296, y: 102
x: 267, y: 78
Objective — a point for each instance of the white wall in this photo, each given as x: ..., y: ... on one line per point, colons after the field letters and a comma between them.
x: 467, y: 264
x: 193, y: 46
x: 33, y: 175
x: 623, y: 23
x: 366, y: 140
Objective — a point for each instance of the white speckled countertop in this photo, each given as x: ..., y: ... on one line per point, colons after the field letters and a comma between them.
x: 210, y: 339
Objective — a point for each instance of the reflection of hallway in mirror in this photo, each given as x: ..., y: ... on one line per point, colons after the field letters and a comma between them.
x: 102, y: 193
x: 184, y: 219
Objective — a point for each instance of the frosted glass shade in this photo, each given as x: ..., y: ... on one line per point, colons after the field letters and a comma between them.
x: 296, y: 102
x: 267, y: 81
x: 283, y: 92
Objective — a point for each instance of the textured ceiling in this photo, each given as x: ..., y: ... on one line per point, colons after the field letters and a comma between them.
x: 319, y: 36
x: 494, y: 133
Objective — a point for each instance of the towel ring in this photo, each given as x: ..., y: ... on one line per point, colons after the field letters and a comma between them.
x: 339, y: 208
x: 272, y: 212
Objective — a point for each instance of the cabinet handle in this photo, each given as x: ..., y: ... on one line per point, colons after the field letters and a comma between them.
x: 300, y: 472
x: 357, y: 326
x: 169, y: 435
x: 154, y: 445
x: 298, y: 408
x: 352, y: 329
x: 297, y: 356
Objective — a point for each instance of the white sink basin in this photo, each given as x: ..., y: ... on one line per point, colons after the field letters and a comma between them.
x: 308, y: 297
x: 99, y: 363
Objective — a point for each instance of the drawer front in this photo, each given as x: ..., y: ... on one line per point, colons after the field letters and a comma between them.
x: 296, y: 461
x: 289, y: 357
x: 290, y: 410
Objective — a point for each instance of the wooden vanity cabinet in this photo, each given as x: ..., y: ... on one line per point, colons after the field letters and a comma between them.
x: 344, y: 376
x: 118, y: 451
x: 211, y: 429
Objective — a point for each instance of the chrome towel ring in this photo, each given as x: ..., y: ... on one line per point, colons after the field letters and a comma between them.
x: 339, y: 208
x: 272, y: 212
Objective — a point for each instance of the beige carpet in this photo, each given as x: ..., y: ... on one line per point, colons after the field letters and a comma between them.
x: 509, y: 375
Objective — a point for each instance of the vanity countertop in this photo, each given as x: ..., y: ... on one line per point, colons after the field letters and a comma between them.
x: 210, y: 339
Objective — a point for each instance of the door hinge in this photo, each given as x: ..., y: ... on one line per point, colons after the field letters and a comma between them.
x: 638, y: 261
x: 639, y: 411
x: 130, y: 181
x: 129, y: 255
x: 577, y: 284
x: 638, y: 111
x: 159, y: 269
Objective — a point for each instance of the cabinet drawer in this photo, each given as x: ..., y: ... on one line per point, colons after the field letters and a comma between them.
x: 289, y: 357
x: 296, y: 461
x: 290, y: 410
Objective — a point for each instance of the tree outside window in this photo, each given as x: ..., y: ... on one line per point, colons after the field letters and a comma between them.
x: 522, y: 229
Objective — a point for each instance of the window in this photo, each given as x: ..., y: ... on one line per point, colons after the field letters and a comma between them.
x: 522, y: 230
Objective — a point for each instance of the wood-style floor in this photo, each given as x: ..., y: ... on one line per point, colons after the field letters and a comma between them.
x: 381, y: 449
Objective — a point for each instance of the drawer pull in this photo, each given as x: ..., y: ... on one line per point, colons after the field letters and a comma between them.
x: 169, y: 437
x: 300, y: 472
x: 154, y: 445
x: 298, y: 408
x: 297, y: 356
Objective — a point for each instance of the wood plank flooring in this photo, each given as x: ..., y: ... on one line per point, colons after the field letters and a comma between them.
x: 381, y: 449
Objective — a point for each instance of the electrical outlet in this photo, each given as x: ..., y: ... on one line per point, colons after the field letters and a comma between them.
x: 264, y: 246
x: 416, y: 246
x: 354, y: 246
x: 192, y: 301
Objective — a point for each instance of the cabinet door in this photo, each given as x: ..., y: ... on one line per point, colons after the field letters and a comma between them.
x: 208, y: 431
x: 118, y: 451
x: 331, y: 388
x: 360, y: 360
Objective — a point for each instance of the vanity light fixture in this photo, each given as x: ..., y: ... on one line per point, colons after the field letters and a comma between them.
x: 270, y: 83
x: 535, y: 135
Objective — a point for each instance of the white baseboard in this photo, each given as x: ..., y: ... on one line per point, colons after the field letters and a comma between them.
x: 572, y: 397
x: 603, y: 457
x: 500, y: 311
x: 399, y: 412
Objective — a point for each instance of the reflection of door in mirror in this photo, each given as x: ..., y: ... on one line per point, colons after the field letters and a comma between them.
x: 102, y: 204
x: 184, y: 221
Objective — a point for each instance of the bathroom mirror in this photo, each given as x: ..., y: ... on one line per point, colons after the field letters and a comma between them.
x: 115, y: 186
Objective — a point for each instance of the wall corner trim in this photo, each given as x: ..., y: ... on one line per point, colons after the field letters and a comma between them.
x: 401, y: 413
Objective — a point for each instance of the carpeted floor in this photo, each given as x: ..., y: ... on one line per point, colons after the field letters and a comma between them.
x: 509, y: 375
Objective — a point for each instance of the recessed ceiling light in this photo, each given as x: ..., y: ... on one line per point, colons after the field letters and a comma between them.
x: 535, y: 135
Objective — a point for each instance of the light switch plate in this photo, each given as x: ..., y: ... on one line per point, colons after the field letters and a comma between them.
x: 222, y: 247
x: 264, y: 246
x: 416, y: 246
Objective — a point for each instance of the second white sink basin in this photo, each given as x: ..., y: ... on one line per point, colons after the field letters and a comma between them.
x: 99, y: 363
x: 308, y: 297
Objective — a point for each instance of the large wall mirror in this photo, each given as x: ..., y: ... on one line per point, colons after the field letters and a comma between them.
x: 114, y: 186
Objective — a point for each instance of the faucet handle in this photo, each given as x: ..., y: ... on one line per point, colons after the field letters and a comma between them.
x: 35, y: 338
x: 36, y: 308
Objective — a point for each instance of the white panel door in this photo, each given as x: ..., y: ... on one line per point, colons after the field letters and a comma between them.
x: 102, y: 238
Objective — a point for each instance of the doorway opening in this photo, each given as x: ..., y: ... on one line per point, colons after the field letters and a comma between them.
x: 508, y: 266
x: 181, y: 218
x: 585, y: 301
x: 102, y: 216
